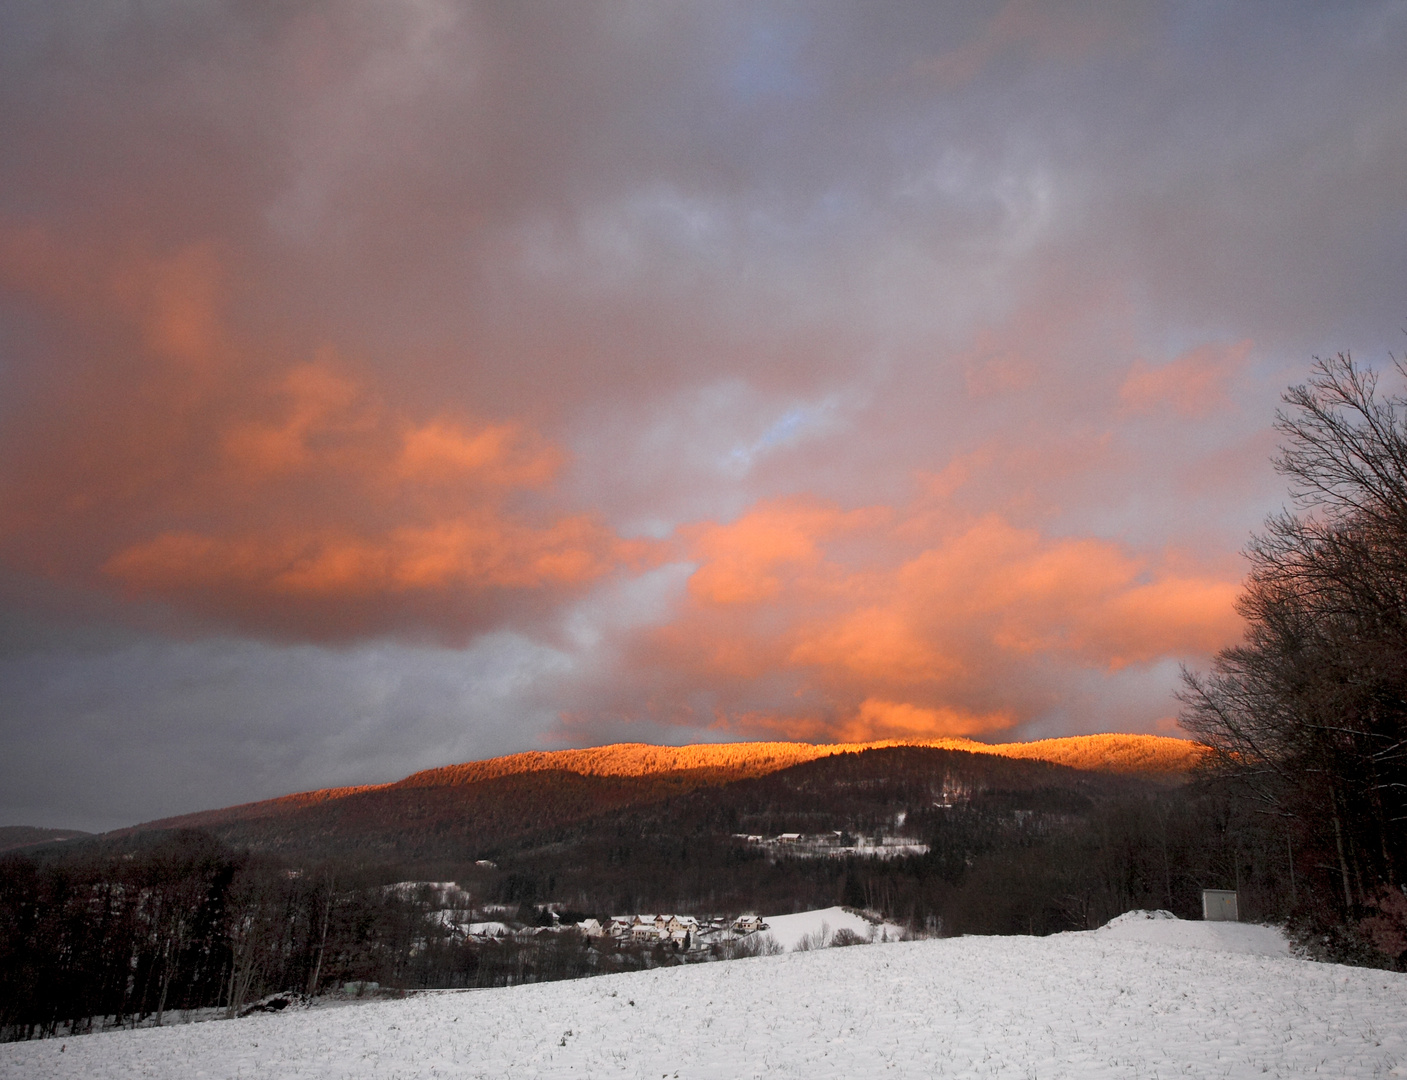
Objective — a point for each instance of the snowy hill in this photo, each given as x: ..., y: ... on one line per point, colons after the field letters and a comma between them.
x: 1145, y: 996
x: 1165, y: 928
x: 818, y: 928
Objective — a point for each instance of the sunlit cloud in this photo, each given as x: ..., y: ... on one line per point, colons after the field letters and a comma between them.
x: 233, y: 479
x: 1192, y: 384
x: 884, y: 622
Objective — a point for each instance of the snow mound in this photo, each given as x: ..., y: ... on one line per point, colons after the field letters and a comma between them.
x: 1165, y: 928
x: 818, y: 928
x: 1138, y: 916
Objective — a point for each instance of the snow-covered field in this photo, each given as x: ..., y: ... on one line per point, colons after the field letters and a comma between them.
x: 818, y: 928
x: 1143, y: 997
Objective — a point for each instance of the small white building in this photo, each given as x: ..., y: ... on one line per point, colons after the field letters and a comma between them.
x: 1220, y: 905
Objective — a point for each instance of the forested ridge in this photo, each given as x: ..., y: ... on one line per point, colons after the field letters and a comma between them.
x: 452, y: 811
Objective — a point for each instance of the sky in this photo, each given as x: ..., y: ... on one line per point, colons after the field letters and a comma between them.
x: 385, y: 385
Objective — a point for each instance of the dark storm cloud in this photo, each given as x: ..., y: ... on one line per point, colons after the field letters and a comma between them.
x: 827, y: 369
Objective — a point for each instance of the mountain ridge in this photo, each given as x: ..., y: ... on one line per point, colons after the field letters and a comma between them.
x: 679, y: 768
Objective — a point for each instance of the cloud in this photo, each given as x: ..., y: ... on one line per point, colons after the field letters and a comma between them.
x: 279, y: 496
x: 887, y: 622
x: 1067, y: 32
x: 491, y: 553
x: 746, y: 561
x: 502, y: 455
x: 1193, y: 385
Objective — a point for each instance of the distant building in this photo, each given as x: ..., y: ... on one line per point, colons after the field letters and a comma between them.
x: 1219, y: 905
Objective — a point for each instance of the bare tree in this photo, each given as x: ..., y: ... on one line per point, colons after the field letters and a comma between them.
x: 1310, y: 712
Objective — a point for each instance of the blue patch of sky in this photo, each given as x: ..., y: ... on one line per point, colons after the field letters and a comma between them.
x: 768, y: 63
x: 798, y: 421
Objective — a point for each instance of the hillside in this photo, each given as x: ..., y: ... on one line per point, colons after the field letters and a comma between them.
x: 668, y: 770
x: 1023, y: 832
x: 458, y: 813
x: 14, y: 837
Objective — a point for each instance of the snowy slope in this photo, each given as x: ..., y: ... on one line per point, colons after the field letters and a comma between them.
x: 1088, y: 1005
x: 817, y: 926
x: 1165, y: 928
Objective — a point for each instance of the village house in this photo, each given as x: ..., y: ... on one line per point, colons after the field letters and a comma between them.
x: 682, y: 932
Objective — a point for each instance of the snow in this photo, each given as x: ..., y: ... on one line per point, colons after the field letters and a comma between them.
x: 1165, y: 928
x: 789, y: 930
x: 1143, y: 997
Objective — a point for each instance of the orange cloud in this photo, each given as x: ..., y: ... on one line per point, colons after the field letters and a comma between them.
x: 884, y: 623
x: 873, y: 721
x: 321, y: 412
x: 877, y: 719
x: 1193, y: 385
x: 210, y: 474
x: 492, y: 553
x: 503, y: 455
x: 746, y: 562
x: 176, y: 299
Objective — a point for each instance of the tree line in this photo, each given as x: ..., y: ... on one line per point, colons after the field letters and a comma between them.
x: 111, y: 935
x: 1309, y: 715
x: 164, y: 925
